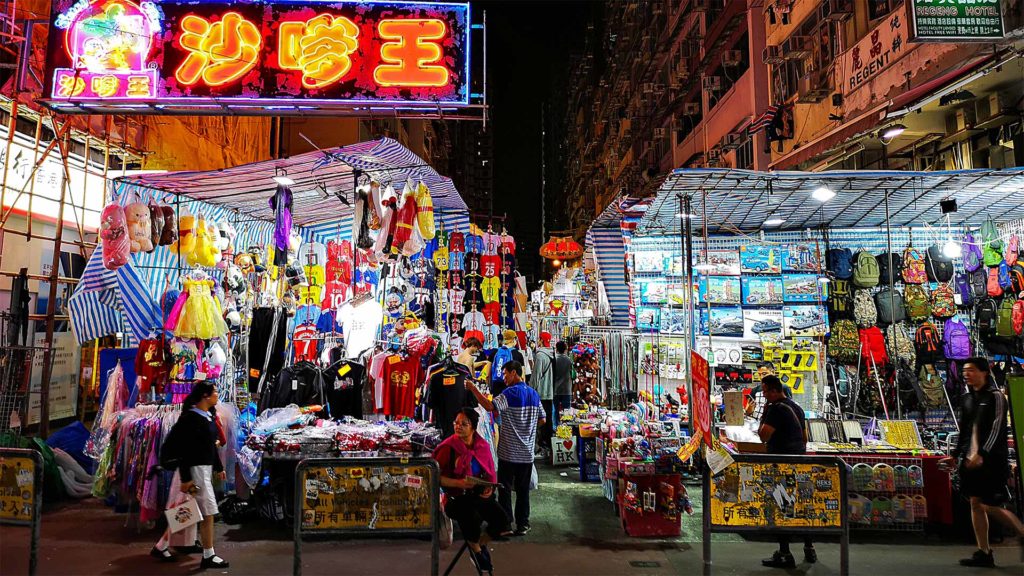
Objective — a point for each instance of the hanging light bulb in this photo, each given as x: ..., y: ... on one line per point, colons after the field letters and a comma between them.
x: 952, y: 250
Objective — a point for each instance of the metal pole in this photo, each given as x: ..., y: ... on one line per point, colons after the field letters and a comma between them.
x: 686, y: 238
x: 706, y: 514
x: 892, y: 301
x: 7, y: 149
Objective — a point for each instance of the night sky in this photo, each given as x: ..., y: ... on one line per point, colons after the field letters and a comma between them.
x: 529, y: 43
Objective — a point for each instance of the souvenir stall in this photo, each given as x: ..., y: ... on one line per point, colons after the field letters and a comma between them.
x: 308, y: 288
x: 862, y: 291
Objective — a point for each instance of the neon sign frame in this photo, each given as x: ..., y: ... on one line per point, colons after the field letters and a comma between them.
x: 257, y: 57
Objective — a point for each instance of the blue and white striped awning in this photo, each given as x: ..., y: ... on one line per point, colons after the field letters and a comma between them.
x: 109, y: 301
x: 604, y: 237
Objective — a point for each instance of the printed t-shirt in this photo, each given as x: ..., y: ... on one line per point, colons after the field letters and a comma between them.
x: 492, y: 312
x: 448, y: 395
x: 473, y: 321
x: 492, y: 242
x: 508, y: 264
x: 490, y: 289
x: 343, y: 384
x: 401, y: 377
x: 336, y: 293
x: 456, y: 242
x: 304, y: 339
x: 490, y: 265
x: 151, y: 365
x: 472, y: 263
x: 360, y: 324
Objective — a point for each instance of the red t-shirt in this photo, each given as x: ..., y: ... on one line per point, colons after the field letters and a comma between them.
x: 305, y: 343
x: 490, y: 265
x: 492, y: 312
x: 401, y: 378
x: 335, y: 294
x: 456, y: 242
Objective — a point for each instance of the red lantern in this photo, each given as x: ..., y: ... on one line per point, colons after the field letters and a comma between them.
x: 561, y: 248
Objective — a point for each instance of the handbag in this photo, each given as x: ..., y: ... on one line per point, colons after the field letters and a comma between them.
x: 186, y: 513
x: 446, y: 533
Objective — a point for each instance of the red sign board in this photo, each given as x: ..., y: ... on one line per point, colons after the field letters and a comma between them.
x: 700, y: 404
x: 145, y: 55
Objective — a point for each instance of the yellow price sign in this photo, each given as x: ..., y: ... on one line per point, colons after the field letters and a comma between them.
x: 17, y: 489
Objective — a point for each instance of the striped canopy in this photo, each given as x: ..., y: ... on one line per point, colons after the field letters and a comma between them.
x: 110, y: 301
x: 318, y: 177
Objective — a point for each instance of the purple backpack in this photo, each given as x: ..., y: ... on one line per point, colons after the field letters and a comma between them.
x: 963, y: 287
x: 957, y: 341
x: 972, y: 255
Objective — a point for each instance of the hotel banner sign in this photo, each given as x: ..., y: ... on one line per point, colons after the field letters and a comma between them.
x: 956, y: 20
x: 143, y: 56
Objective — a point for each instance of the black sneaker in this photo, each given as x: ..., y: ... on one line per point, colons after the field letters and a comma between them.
x: 779, y: 560
x: 483, y: 560
x: 164, y: 555
x: 980, y: 560
x: 213, y: 562
x: 522, y: 530
x: 810, y: 555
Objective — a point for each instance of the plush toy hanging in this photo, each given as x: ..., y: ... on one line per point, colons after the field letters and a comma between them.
x: 139, y: 227
x: 425, y: 208
x: 185, y: 243
x: 169, y: 235
x: 226, y: 244
x: 156, y: 225
x: 114, y: 232
x: 205, y: 253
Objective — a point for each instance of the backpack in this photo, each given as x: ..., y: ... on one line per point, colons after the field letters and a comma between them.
x: 992, y: 246
x: 957, y: 341
x: 1018, y: 317
x: 979, y: 283
x: 1017, y: 278
x: 840, y: 263
x: 994, y: 288
x: 865, y: 272
x: 926, y: 343
x: 931, y: 384
x: 971, y: 253
x: 864, y: 310
x: 913, y: 267
x: 1012, y: 250
x: 840, y: 299
x: 884, y: 268
x: 890, y: 306
x: 943, y: 303
x: 873, y: 347
x: 918, y: 305
x: 938, y: 266
x: 1004, y: 318
x: 1003, y: 277
x: 501, y: 356
x: 985, y: 314
x: 844, y: 342
x: 963, y: 288
x: 170, y: 452
x: 898, y: 343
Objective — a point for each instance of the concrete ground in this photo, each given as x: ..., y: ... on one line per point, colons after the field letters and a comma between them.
x: 575, y: 531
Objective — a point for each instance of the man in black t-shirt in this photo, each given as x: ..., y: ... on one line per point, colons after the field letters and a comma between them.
x: 782, y: 430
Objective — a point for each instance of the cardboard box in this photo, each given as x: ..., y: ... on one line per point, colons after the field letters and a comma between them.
x: 752, y: 447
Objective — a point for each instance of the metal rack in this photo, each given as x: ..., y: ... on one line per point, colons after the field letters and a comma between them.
x: 875, y: 492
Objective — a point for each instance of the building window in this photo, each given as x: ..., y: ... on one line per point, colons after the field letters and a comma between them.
x: 824, y: 45
x: 880, y: 8
x: 745, y: 154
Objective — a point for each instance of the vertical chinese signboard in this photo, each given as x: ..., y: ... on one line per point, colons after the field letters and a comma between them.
x: 959, y: 20
x: 143, y: 56
x: 882, y: 46
x: 701, y: 401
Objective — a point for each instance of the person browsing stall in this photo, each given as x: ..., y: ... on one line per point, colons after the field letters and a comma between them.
x: 982, y: 455
x: 468, y: 479
x: 782, y: 430
x: 561, y: 380
x: 471, y: 348
x: 521, y: 413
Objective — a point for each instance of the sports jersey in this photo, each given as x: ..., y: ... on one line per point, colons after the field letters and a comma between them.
x: 305, y: 342
x: 457, y: 260
x: 335, y: 294
x: 456, y: 296
x: 440, y: 251
x: 492, y: 312
x: 456, y: 242
x: 474, y: 244
x: 490, y: 289
x: 490, y: 266
x: 508, y: 244
x: 473, y: 321
x: 328, y: 322
x: 508, y: 264
x: 306, y: 314
x: 492, y: 242
x: 492, y: 336
x: 455, y: 278
x: 401, y: 378
x: 471, y: 263
x: 316, y: 278
x: 339, y: 261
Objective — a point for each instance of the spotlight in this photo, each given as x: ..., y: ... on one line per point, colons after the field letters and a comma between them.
x: 948, y: 206
x: 773, y: 221
x: 681, y: 215
x: 952, y: 250
x: 893, y: 131
x: 823, y: 194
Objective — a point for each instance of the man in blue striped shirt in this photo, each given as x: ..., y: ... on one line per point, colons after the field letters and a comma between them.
x: 521, y: 414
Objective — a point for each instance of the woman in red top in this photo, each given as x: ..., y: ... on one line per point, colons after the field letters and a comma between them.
x: 470, y: 502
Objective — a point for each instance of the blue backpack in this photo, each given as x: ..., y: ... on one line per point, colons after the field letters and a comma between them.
x: 963, y: 287
x: 501, y: 356
x: 1005, y: 282
x: 971, y: 253
x: 840, y: 262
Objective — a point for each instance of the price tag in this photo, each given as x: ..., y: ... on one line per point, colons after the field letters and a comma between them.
x: 295, y: 384
x: 394, y: 359
x: 449, y: 380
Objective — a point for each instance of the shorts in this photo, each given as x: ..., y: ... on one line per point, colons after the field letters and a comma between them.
x: 987, y: 483
x: 202, y: 476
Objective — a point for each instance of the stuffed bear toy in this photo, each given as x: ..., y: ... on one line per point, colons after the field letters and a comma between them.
x: 185, y: 244
x: 169, y: 235
x: 156, y: 224
x: 114, y: 232
x: 139, y: 227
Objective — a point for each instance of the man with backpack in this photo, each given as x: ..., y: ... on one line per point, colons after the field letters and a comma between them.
x: 982, y: 457
x: 507, y: 352
x: 562, y: 380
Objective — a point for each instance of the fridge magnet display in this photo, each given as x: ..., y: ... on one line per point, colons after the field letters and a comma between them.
x: 720, y: 289
x: 802, y: 288
x: 801, y: 258
x: 653, y: 292
x: 648, y: 261
x: 762, y: 291
x: 648, y: 318
x: 760, y: 259
x: 726, y: 321
x: 673, y: 321
x: 758, y: 321
x: 803, y: 321
x: 720, y: 262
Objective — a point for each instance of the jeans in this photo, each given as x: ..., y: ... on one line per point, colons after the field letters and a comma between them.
x: 561, y: 403
x: 515, y: 477
x: 470, y: 511
x: 784, y: 544
x: 548, y: 430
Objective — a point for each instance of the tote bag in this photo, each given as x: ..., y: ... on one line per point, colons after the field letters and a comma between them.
x: 185, y: 514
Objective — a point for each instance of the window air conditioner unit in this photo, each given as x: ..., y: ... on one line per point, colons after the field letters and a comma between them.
x: 731, y: 141
x: 648, y: 88
x: 813, y: 87
x: 836, y: 10
x: 691, y: 109
x: 772, y: 55
x: 732, y: 58
x: 712, y: 83
x: 796, y: 47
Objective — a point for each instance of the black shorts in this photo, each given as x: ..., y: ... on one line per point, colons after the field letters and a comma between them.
x: 987, y: 483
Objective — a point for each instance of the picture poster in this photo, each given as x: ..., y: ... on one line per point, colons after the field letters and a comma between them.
x: 725, y: 321
x: 758, y: 259
x: 720, y: 289
x: 63, y: 378
x: 720, y: 262
x: 804, y: 321
x: 673, y: 265
x: 648, y: 318
x: 760, y: 321
x: 353, y: 497
x: 654, y: 292
x: 801, y: 258
x: 777, y: 495
x: 675, y: 293
x: 803, y: 288
x: 17, y: 493
x: 762, y: 290
x: 673, y: 321
x: 649, y: 261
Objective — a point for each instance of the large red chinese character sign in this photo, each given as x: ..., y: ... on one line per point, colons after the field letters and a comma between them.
x: 131, y: 53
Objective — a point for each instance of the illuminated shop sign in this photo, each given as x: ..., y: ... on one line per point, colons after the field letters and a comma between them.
x: 961, y: 20
x: 128, y: 53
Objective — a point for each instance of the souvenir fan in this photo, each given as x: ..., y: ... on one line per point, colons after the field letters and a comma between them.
x: 185, y: 242
x: 139, y: 227
x: 169, y: 234
x: 114, y: 232
x: 156, y: 224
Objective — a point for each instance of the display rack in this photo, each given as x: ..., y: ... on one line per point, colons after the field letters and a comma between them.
x: 902, y: 490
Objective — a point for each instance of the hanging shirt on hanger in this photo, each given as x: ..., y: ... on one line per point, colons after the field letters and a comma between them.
x: 305, y: 342
x: 401, y: 378
x: 360, y: 323
x: 490, y: 265
x: 473, y: 321
x: 490, y: 289
x: 448, y: 395
x: 343, y: 384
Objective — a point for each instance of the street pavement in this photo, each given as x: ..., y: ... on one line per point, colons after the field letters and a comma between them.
x: 575, y: 531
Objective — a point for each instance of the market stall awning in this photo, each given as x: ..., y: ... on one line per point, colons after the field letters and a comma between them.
x: 730, y: 200
x: 318, y: 177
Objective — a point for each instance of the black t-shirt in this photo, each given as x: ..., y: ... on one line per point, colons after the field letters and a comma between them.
x: 787, y: 418
x: 447, y: 395
x: 300, y: 384
x: 343, y: 386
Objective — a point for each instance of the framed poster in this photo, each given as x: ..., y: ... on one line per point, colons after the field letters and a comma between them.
x: 673, y: 321
x: 648, y: 261
x: 726, y: 321
x: 653, y: 292
x: 648, y: 318
x: 720, y: 289
x: 756, y: 259
x: 801, y: 258
x: 760, y: 321
x: 803, y: 288
x: 804, y: 321
x: 762, y: 290
x: 720, y: 262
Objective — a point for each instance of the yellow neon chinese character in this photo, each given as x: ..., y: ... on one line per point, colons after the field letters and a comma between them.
x: 69, y: 86
x: 219, y: 52
x: 412, y: 56
x: 320, y: 47
x: 105, y: 86
x: 138, y: 87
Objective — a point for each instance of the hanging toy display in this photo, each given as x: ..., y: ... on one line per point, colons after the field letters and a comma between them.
x: 169, y: 234
x: 114, y: 233
x: 185, y: 239
x: 140, y: 229
x: 156, y: 224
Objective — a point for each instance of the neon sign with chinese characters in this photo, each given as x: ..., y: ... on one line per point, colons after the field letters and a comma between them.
x: 135, y: 52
